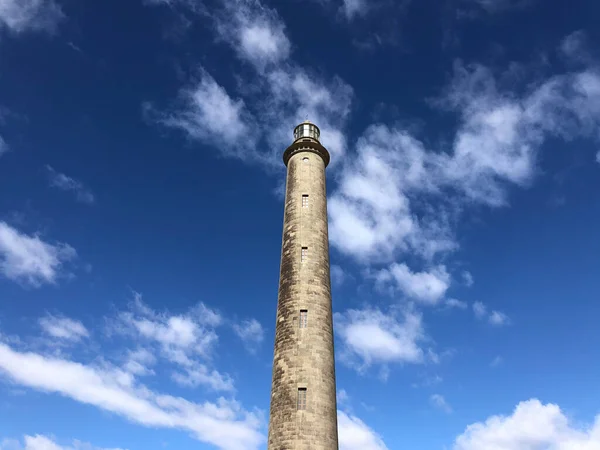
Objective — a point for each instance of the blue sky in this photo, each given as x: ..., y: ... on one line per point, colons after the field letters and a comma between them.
x: 141, y: 211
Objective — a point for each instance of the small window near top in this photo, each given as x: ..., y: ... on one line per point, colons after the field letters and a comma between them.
x: 305, y: 201
x: 304, y: 254
x: 305, y: 159
x: 303, y: 318
x: 301, y: 399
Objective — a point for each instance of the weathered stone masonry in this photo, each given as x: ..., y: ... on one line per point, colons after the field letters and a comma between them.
x: 304, y: 357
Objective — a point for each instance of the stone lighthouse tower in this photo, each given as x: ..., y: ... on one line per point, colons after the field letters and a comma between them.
x: 303, y: 413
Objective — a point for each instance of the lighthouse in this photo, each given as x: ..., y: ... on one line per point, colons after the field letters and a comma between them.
x: 303, y: 410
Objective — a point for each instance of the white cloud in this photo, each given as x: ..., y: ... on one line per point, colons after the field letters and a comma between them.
x: 372, y: 216
x: 532, y: 426
x: 41, y: 442
x: 439, y: 402
x: 354, y: 434
x: 454, y: 303
x: 223, y: 424
x: 338, y: 276
x: 353, y: 8
x: 598, y: 157
x: 28, y: 259
x: 139, y: 362
x: 63, y: 328
x: 186, y: 340
x: 468, y: 278
x: 206, y: 112
x: 342, y: 397
x: 399, y: 197
x: 193, y: 331
x: 374, y: 337
x: 65, y: 183
x: 30, y: 15
x: 262, y: 44
x: 495, y: 318
x: 425, y: 287
x: 250, y: 332
x: 498, y: 318
x: 254, y: 31
x: 480, y: 310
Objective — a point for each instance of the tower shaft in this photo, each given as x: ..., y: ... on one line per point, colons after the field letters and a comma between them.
x: 303, y: 412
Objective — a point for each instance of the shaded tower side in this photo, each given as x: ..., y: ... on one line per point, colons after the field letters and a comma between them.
x: 303, y: 412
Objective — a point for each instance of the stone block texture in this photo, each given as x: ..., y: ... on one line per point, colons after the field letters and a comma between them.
x: 304, y: 357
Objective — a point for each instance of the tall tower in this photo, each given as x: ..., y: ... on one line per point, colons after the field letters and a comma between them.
x: 303, y: 412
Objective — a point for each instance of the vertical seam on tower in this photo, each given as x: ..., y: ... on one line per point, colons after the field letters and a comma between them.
x: 301, y: 274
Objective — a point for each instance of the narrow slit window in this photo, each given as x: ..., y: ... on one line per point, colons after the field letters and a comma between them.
x: 301, y: 399
x: 303, y: 318
x: 304, y: 254
x: 305, y: 201
x: 305, y: 160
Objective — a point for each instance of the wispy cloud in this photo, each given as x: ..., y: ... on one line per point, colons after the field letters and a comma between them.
x: 498, y: 318
x: 139, y: 362
x: 494, y: 317
x: 495, y: 6
x: 353, y: 8
x: 206, y: 112
x: 468, y: 278
x: 273, y: 99
x: 224, y: 424
x: 574, y: 48
x: 454, y: 303
x: 3, y: 146
x: 28, y: 259
x: 342, y: 397
x: 65, y: 183
x: 497, y: 361
x: 531, y: 425
x: 30, y: 15
x: 41, y: 442
x: 480, y: 310
x: 63, y: 328
x: 438, y: 401
x: 251, y: 333
x: 186, y: 340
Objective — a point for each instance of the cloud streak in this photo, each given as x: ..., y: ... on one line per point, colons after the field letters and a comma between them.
x: 63, y: 182
x: 223, y: 424
x: 29, y: 260
x: 63, y: 328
